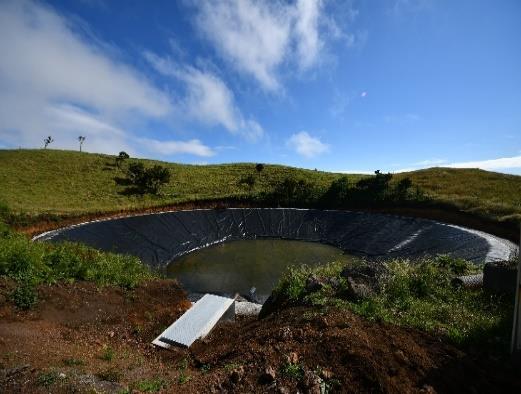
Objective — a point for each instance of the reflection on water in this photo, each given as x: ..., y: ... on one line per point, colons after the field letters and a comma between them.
x: 237, y: 266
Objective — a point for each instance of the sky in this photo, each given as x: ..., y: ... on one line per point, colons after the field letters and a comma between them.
x: 347, y: 86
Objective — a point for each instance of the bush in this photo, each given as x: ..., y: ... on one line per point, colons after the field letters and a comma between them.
x: 370, y: 191
x: 292, y: 192
x: 121, y: 158
x: 147, y: 180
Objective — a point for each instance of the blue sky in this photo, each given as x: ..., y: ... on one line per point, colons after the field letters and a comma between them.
x: 341, y: 86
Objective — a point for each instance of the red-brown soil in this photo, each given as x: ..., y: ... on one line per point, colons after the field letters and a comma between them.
x: 82, y: 339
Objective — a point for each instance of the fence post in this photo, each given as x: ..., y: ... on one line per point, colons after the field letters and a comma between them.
x: 516, y: 328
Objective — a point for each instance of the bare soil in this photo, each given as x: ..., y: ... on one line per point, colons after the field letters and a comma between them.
x: 83, y: 339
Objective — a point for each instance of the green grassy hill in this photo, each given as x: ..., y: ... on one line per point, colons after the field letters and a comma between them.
x: 68, y: 183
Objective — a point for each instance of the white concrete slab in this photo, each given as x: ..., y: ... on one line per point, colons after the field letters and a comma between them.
x: 196, y: 322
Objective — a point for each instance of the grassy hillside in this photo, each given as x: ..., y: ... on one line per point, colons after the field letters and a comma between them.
x: 65, y: 182
x: 72, y: 183
x: 489, y: 194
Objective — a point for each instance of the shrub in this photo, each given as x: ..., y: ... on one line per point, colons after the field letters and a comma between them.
x: 147, y: 180
x: 25, y: 295
x: 121, y: 158
x: 292, y: 192
x: 338, y: 193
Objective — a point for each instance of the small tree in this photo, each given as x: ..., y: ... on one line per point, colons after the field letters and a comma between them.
x: 47, y: 141
x: 147, y: 180
x: 121, y: 158
x: 81, y: 139
x: 259, y: 167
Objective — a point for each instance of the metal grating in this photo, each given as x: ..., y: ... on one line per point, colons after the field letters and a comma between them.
x: 196, y: 322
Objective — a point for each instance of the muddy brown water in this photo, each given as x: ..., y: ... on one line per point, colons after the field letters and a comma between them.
x: 237, y: 266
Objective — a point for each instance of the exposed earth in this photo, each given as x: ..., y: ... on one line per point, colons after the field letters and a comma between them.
x: 80, y: 338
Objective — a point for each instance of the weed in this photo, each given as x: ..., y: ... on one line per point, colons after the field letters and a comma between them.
x: 231, y: 366
x: 183, y: 364
x: 182, y: 379
x: 150, y: 385
x: 205, y: 368
x: 294, y: 371
x: 109, y: 375
x: 24, y: 296
x: 108, y: 354
x: 47, y: 378
x: 70, y: 362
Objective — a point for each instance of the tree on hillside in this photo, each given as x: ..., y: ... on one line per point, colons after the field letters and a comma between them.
x: 121, y: 158
x: 47, y: 141
x: 259, y: 167
x: 147, y: 180
x: 82, y: 140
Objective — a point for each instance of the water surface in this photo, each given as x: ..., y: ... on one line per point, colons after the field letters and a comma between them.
x: 237, y: 266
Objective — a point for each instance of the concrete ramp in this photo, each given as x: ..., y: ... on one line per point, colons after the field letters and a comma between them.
x: 197, y: 321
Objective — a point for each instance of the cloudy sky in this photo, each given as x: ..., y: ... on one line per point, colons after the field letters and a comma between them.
x: 335, y: 85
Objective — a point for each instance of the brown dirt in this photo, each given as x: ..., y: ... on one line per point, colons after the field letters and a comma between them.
x: 83, y: 339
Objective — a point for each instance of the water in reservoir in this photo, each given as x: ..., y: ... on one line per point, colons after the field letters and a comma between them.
x: 237, y: 266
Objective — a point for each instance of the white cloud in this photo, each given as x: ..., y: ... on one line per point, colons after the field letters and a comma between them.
x: 55, y: 83
x: 167, y: 148
x: 309, y: 43
x: 306, y: 145
x: 501, y: 164
x: 491, y: 165
x: 430, y: 162
x: 258, y: 37
x: 208, y: 99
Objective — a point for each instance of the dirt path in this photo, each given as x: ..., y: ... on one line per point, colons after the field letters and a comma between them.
x: 83, y: 339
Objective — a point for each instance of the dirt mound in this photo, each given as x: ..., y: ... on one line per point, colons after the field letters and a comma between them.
x: 83, y: 339
x: 308, y: 348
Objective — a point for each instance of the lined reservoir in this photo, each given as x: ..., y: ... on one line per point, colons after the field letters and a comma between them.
x: 237, y: 266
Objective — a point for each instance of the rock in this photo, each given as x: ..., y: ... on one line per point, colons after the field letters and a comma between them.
x: 268, y: 376
x: 400, y: 355
x: 283, y: 390
x: 292, y: 358
x: 314, y: 283
x: 312, y: 383
x: 237, y: 375
x: 357, y: 289
x: 500, y: 277
x: 427, y: 389
x: 362, y: 281
x: 271, y: 305
x: 285, y: 334
x: 326, y: 374
x: 334, y: 282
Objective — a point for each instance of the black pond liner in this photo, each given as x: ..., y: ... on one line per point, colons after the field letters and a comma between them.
x: 158, y: 239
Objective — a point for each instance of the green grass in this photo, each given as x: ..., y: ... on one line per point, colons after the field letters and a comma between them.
x: 32, y: 263
x: 65, y: 182
x: 416, y: 295
x: 489, y: 194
